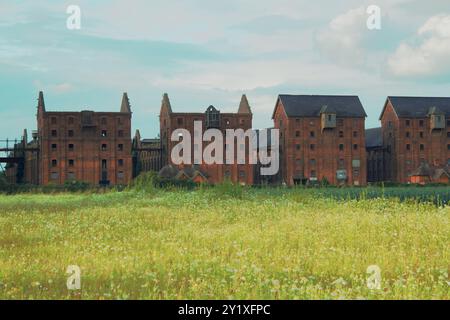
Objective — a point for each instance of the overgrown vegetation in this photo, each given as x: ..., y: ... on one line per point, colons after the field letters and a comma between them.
x: 225, y: 242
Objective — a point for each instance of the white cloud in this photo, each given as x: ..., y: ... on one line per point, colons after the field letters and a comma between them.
x: 341, y: 39
x: 431, y: 56
x: 62, y: 87
x: 255, y: 74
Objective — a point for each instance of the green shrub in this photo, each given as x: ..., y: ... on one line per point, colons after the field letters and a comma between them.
x: 145, y: 182
x: 76, y: 186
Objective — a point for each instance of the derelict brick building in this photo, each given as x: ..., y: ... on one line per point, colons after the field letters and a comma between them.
x: 211, y: 118
x: 88, y: 146
x: 416, y: 137
x: 321, y: 138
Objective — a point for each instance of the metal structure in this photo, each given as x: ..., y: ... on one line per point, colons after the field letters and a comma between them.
x: 13, y: 153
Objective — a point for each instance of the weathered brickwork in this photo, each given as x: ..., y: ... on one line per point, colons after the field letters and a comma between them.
x: 415, y: 131
x: 88, y: 146
x: 216, y: 173
x: 311, y: 150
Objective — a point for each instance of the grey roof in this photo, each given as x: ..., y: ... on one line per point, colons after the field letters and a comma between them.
x: 424, y: 170
x: 150, y: 140
x: 312, y: 105
x: 374, y: 138
x: 419, y: 107
x: 172, y: 172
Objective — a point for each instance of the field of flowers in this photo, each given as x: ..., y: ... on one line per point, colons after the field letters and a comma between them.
x: 224, y: 243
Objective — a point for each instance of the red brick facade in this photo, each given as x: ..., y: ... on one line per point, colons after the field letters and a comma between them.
x: 216, y: 173
x: 93, y: 147
x: 310, y: 152
x: 412, y: 138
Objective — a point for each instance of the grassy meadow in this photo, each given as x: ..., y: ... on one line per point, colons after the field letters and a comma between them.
x: 226, y: 243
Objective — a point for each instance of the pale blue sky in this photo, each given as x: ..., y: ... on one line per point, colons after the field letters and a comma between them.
x: 210, y: 52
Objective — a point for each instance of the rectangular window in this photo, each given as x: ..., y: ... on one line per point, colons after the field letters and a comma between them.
x: 104, y: 133
x: 104, y: 121
x: 120, y: 133
x: 104, y: 164
x: 422, y: 147
x: 408, y: 134
x: 355, y: 134
x: 355, y: 147
x: 341, y: 147
x: 54, y: 133
x: 180, y: 121
x: 313, y: 174
x: 120, y: 147
x: 121, y: 175
x: 54, y: 176
x: 71, y: 163
x: 71, y: 133
x: 297, y: 134
x: 71, y: 120
x: 421, y: 123
x: 297, y: 147
x: 408, y: 147
x: 54, y: 147
x: 53, y: 120
x: 421, y: 134
x: 312, y: 147
x: 312, y: 162
x: 120, y: 162
x: 341, y: 134
x: 71, y: 147
x: 71, y: 176
x: 407, y: 123
x: 54, y: 163
x: 104, y: 147
x: 312, y: 134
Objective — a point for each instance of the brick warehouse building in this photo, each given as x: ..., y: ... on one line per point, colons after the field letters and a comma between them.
x: 416, y: 134
x: 88, y: 146
x: 321, y: 137
x: 211, y: 118
x: 376, y: 155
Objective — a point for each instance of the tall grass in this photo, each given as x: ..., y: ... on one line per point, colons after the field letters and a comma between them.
x: 226, y: 242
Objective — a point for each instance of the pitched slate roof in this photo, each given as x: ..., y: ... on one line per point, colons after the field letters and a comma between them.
x: 418, y: 107
x: 311, y: 105
x: 374, y: 138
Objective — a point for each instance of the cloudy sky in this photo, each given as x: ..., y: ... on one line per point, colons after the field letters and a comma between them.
x: 211, y: 52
